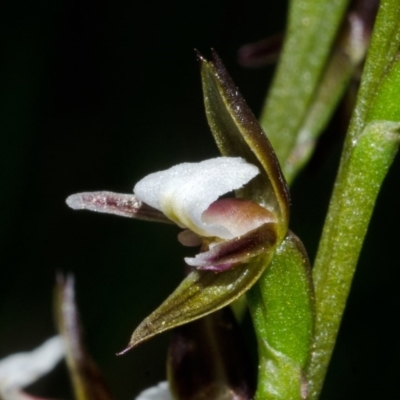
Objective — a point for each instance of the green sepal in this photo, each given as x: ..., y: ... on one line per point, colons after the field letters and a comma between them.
x: 283, y: 312
x: 87, y: 380
x: 199, y: 294
x: 238, y: 133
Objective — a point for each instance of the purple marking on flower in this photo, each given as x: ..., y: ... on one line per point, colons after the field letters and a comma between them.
x: 125, y: 205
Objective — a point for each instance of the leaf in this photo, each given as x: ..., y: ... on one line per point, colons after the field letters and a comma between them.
x: 282, y: 308
x: 238, y: 133
x: 87, y: 381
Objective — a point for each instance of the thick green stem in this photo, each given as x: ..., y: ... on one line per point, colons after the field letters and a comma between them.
x: 345, y: 228
x: 368, y: 152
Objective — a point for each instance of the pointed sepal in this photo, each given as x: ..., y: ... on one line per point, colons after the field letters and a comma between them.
x: 238, y: 134
x: 201, y: 293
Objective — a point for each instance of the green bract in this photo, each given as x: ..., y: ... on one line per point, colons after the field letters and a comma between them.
x: 282, y: 307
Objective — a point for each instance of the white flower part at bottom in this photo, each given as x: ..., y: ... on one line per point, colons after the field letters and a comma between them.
x: 22, y: 369
x: 186, y: 190
x: 159, y: 392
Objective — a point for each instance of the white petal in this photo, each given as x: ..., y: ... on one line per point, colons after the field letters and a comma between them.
x: 185, y: 191
x: 159, y: 392
x: 22, y: 369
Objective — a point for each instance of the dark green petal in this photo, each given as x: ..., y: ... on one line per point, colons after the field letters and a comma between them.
x: 238, y: 133
x: 203, y: 292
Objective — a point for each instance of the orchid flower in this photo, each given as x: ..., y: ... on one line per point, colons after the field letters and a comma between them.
x: 188, y: 195
x: 238, y: 235
x: 236, y: 208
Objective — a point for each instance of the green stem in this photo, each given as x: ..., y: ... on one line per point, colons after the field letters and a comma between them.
x: 346, y: 56
x: 345, y: 228
x: 312, y: 27
x: 368, y: 152
x: 384, y: 46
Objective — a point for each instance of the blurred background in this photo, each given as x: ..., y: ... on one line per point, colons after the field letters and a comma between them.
x: 94, y: 96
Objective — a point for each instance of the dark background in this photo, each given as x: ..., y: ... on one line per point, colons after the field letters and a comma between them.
x: 95, y: 95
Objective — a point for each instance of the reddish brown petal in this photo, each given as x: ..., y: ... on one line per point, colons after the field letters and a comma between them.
x: 239, y: 216
x: 125, y: 205
x: 225, y: 255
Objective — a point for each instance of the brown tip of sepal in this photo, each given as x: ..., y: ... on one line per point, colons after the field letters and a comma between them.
x: 199, y: 56
x: 124, y: 351
x: 215, y: 58
x: 238, y: 133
